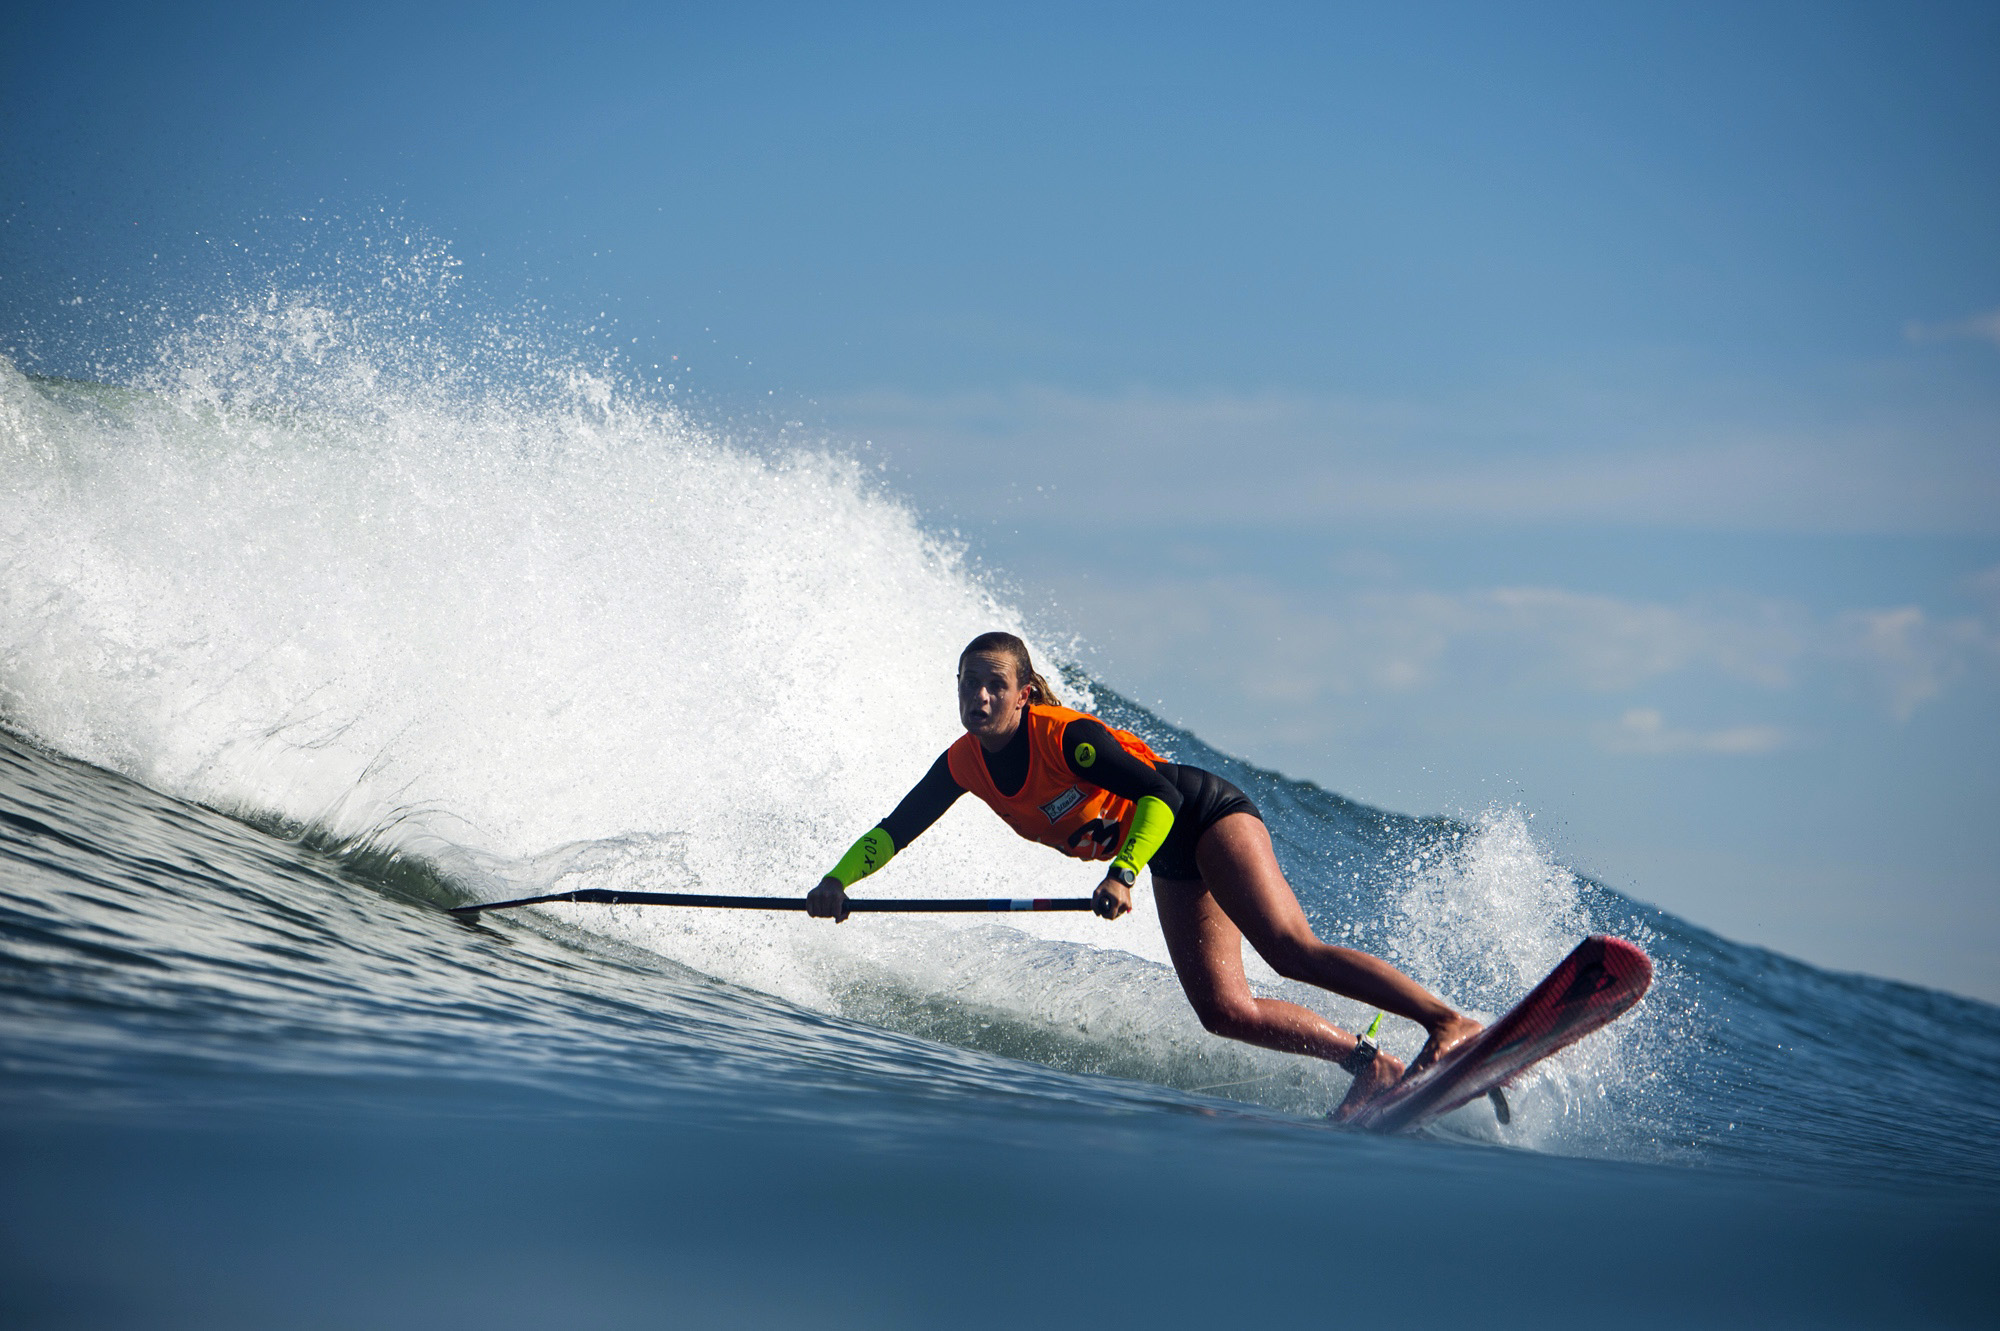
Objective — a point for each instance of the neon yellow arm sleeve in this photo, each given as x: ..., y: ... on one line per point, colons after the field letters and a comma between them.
x: 865, y: 856
x: 1151, y: 821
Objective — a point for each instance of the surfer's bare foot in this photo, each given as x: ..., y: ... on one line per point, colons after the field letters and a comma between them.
x: 1378, y: 1076
x: 1446, y: 1036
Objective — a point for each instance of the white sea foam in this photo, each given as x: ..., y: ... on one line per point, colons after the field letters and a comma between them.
x: 514, y: 619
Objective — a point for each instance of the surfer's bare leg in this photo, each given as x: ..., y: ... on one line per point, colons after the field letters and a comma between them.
x: 1240, y: 869
x: 1208, y: 956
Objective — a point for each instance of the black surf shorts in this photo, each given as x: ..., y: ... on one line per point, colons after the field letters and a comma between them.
x: 1205, y: 799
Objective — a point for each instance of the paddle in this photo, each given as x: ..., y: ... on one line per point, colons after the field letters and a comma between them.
x: 606, y: 897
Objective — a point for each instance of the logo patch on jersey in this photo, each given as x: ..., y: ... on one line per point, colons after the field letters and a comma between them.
x: 1062, y: 803
x: 1086, y: 754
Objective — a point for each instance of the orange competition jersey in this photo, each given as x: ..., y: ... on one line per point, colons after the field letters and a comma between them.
x: 1053, y: 807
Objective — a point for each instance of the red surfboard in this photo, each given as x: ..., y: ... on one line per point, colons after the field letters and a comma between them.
x: 1591, y: 988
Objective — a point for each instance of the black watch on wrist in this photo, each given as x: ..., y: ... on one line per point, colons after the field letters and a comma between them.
x: 1122, y: 874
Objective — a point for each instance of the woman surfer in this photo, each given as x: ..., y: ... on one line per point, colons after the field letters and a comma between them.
x: 1067, y: 780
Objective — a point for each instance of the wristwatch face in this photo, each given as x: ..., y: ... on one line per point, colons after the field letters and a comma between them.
x: 1125, y: 876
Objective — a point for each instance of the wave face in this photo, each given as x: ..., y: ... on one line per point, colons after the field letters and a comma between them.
x: 426, y: 634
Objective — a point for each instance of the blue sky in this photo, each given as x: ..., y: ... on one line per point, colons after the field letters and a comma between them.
x: 1557, y: 404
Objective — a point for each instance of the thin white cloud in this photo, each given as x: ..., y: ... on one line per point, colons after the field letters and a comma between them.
x: 1644, y: 730
x: 1913, y: 655
x: 1290, y: 649
x: 1303, y: 458
x: 1981, y: 327
x: 1405, y: 641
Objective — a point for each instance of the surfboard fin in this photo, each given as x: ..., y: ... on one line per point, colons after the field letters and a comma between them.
x: 1501, y: 1110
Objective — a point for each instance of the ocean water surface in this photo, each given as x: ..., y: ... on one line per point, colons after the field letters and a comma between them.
x: 312, y: 627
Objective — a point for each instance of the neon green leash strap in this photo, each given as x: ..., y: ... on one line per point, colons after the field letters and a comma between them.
x: 1364, y: 1051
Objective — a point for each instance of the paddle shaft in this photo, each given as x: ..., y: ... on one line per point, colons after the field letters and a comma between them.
x: 606, y: 897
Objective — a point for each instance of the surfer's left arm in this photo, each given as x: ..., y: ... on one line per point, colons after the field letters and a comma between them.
x: 1094, y: 754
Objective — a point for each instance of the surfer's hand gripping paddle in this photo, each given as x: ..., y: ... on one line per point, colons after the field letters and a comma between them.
x: 934, y: 905
x: 828, y: 900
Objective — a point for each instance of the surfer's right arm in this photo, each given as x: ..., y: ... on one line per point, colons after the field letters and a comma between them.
x: 924, y: 805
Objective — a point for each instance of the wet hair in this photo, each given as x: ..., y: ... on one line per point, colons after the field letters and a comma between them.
x: 1006, y: 644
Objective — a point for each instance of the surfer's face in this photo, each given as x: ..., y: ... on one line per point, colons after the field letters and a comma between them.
x: 990, y: 697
